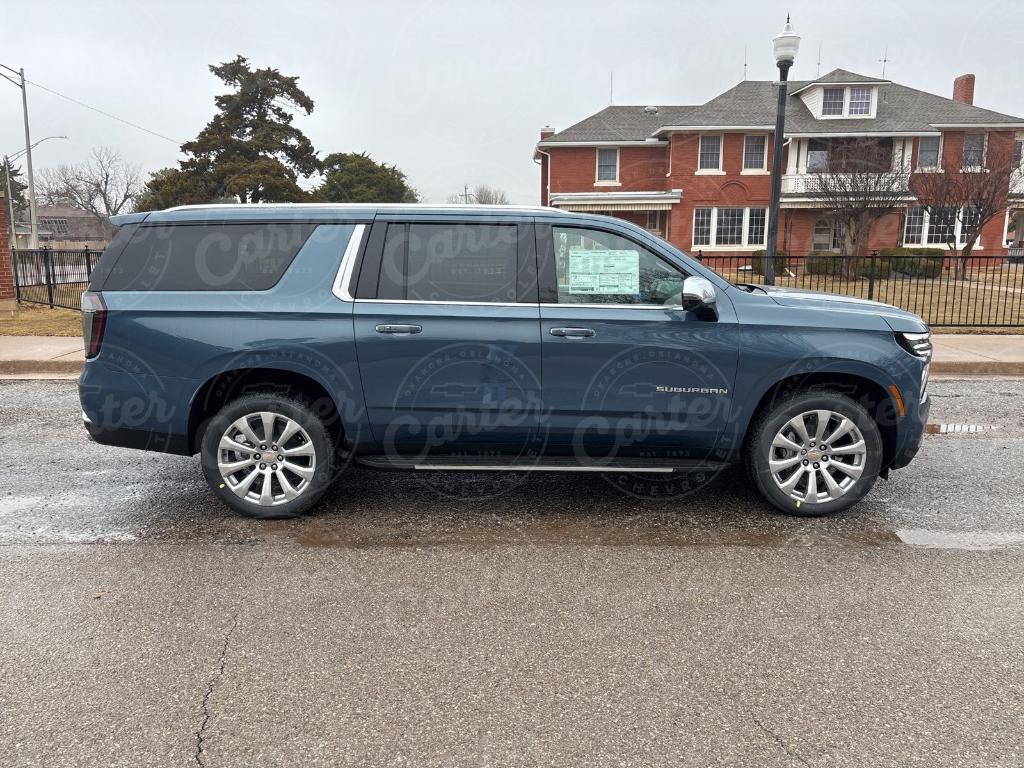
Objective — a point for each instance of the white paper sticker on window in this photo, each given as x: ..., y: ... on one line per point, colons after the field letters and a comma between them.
x: 602, y: 271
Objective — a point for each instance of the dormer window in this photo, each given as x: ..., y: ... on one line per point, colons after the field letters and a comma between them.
x: 860, y: 101
x: 847, y: 101
x: 832, y: 103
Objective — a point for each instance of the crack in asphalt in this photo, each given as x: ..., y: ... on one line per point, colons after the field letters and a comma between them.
x: 780, y: 741
x: 221, y: 664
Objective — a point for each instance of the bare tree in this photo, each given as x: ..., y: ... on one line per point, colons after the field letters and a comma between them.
x: 486, y: 195
x: 970, y: 196
x: 858, y: 182
x: 104, y: 185
x: 482, y: 195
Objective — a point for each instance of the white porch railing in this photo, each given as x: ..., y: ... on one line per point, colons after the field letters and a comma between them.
x: 803, y: 183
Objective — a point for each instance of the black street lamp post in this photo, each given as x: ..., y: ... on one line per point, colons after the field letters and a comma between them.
x: 785, y: 45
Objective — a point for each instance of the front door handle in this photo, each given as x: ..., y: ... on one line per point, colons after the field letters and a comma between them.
x: 399, y: 329
x: 573, y: 333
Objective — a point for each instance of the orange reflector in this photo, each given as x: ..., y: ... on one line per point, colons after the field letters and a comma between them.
x: 900, y: 408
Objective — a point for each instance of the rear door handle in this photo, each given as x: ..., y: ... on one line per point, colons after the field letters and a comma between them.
x: 399, y: 329
x: 573, y: 333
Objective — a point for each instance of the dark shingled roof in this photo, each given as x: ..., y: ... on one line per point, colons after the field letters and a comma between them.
x: 752, y: 103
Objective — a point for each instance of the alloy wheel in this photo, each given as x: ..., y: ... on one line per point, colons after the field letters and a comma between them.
x: 817, y: 456
x: 266, y: 458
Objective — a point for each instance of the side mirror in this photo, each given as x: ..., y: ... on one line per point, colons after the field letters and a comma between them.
x: 698, y: 292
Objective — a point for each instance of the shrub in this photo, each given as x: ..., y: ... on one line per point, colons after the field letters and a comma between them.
x: 781, y: 262
x: 824, y: 263
x: 916, y: 261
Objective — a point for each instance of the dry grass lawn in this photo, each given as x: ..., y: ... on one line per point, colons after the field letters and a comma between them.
x: 38, y: 320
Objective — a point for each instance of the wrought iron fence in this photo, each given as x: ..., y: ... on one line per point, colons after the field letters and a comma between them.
x: 946, y: 290
x: 983, y: 291
x: 53, y: 277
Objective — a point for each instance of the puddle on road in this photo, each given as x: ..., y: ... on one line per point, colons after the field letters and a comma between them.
x: 365, y: 534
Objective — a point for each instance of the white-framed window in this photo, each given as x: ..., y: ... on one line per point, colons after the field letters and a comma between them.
x: 710, y: 154
x: 608, y: 164
x: 827, y: 236
x: 1018, y: 153
x: 860, y: 101
x: 974, y: 150
x: 832, y: 101
x: 729, y: 227
x: 755, y: 152
x: 929, y: 151
x: 653, y: 221
x: 940, y: 226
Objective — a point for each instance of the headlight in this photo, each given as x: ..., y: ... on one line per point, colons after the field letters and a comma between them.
x: 919, y: 345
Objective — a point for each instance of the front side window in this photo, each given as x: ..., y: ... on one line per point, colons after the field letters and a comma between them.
x: 754, y: 154
x: 860, y: 101
x: 928, y: 152
x: 596, y: 267
x: 710, y: 153
x: 608, y: 164
x: 449, y: 262
x: 974, y: 150
x: 832, y: 101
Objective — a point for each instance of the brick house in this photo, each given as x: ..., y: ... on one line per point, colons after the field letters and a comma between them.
x: 699, y: 176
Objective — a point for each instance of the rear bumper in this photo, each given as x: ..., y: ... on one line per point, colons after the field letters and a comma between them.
x: 141, y: 439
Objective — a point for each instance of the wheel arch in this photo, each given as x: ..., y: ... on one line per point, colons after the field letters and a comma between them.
x: 226, y: 386
x: 876, y: 398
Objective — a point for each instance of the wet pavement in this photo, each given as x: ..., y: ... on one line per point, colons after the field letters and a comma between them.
x: 510, y: 620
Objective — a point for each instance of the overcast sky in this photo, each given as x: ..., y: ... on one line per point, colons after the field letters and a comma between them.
x: 455, y: 92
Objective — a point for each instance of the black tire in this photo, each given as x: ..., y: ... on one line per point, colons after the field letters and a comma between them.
x: 285, y: 405
x: 768, y: 424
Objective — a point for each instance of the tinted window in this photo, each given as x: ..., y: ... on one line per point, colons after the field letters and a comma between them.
x: 449, y: 262
x: 595, y: 267
x: 224, y: 257
x: 110, y: 254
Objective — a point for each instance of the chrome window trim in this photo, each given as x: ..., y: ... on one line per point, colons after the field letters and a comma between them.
x: 343, y: 279
x: 515, y: 304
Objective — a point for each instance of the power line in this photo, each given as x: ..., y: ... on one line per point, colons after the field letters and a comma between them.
x: 105, y: 114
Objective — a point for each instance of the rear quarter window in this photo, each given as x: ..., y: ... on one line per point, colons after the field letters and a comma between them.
x: 206, y: 257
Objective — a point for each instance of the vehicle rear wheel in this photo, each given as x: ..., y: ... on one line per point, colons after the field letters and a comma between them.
x: 267, y: 456
x: 815, y: 453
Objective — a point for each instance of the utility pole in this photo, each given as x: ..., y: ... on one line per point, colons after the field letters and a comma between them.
x: 34, y: 239
x: 465, y: 194
x: 10, y: 203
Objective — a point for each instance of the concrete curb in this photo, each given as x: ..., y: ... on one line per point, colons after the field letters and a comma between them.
x: 978, y: 368
x: 37, y: 367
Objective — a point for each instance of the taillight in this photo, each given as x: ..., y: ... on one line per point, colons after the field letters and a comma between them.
x: 94, y: 320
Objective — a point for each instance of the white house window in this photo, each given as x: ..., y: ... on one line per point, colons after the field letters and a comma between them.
x: 729, y: 227
x: 608, y: 164
x: 710, y: 153
x: 754, y: 153
x: 914, y: 227
x: 939, y: 226
x: 827, y: 235
x: 832, y: 101
x: 860, y: 101
x: 702, y: 226
x: 654, y: 221
x: 928, y: 152
x: 974, y: 150
x: 1018, y: 153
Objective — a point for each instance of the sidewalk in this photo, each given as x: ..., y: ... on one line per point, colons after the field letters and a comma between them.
x: 955, y: 354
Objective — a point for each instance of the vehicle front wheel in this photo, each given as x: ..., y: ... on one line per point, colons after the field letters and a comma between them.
x: 815, y: 453
x: 267, y: 456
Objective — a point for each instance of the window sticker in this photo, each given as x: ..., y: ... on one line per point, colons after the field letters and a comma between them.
x: 604, y: 271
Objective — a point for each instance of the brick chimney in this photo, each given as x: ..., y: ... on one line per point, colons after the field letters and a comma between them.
x: 546, y: 132
x: 963, y: 89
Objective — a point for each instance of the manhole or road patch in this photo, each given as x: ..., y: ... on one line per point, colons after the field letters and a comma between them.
x: 958, y: 429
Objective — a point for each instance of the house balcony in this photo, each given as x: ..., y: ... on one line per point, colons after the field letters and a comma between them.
x: 804, y: 184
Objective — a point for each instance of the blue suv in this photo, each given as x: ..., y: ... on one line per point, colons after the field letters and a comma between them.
x: 281, y: 342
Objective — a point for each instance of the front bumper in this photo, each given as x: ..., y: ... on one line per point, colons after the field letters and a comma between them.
x: 914, y: 432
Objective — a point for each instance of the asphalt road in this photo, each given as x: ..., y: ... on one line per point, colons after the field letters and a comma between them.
x: 533, y: 620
